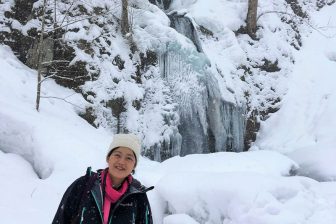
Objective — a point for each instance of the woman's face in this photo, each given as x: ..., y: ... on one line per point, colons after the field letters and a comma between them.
x: 121, y: 162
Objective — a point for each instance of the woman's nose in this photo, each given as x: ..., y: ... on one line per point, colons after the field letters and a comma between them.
x: 122, y: 161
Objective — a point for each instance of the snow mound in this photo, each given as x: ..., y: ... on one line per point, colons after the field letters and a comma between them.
x: 262, y: 162
x: 18, y: 138
x: 179, y: 219
x: 235, y: 198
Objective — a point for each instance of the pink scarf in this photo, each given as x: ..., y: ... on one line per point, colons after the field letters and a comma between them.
x: 112, y: 195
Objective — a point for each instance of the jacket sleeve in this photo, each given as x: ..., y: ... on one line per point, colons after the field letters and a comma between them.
x: 145, y: 213
x: 69, y: 204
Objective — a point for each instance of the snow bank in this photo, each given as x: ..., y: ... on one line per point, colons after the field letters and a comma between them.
x: 262, y: 162
x: 235, y: 198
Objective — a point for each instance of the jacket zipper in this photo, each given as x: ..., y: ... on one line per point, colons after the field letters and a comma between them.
x: 147, y: 214
x: 82, y: 215
x: 100, y: 212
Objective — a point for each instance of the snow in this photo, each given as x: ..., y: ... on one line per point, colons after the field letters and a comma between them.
x: 179, y: 219
x: 217, y: 198
x: 203, y: 11
x: 41, y: 153
x: 309, y: 106
x: 262, y: 162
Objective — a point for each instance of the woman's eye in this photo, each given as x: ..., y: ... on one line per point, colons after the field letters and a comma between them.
x: 129, y: 158
x: 117, y: 155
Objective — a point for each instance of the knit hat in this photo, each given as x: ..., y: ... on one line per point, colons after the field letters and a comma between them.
x: 126, y: 140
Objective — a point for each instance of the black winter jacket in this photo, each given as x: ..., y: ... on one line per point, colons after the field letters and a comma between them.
x: 79, y: 207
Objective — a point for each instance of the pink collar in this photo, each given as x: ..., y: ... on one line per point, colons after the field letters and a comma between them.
x: 112, y: 195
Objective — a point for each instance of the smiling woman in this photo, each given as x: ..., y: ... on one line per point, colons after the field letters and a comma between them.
x: 121, y: 163
x: 111, y: 195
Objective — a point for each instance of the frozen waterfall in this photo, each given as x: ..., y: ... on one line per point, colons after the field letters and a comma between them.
x: 208, y: 123
x: 185, y: 26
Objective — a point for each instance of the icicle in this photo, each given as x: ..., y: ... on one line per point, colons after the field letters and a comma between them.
x: 207, y: 122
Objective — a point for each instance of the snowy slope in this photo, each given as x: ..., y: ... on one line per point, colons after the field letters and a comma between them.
x: 38, y: 148
x: 251, y: 187
x: 304, y: 127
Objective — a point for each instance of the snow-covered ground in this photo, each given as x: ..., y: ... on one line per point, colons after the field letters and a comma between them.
x: 41, y: 153
x: 304, y: 127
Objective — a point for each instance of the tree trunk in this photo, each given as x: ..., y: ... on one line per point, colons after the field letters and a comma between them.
x: 55, y: 16
x: 251, y: 18
x: 124, y: 18
x: 40, y: 50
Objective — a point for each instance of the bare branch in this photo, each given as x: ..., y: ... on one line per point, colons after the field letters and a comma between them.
x: 72, y: 22
x: 64, y: 99
x: 54, y: 61
x: 301, y: 19
x: 70, y: 95
x: 61, y: 77
x: 277, y: 12
x: 67, y: 12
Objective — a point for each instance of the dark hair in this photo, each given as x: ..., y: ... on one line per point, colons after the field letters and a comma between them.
x: 109, y: 154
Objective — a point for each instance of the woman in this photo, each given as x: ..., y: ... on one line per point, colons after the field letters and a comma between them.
x: 112, y: 195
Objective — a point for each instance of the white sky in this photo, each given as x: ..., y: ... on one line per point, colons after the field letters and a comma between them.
x: 228, y: 188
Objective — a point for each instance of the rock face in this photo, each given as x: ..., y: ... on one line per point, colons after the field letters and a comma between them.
x: 47, y: 51
x: 21, y: 11
x: 162, y: 4
x: 22, y: 35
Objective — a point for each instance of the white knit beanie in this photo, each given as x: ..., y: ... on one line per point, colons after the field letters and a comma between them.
x: 126, y: 140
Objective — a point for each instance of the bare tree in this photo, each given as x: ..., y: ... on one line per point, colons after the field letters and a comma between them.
x: 39, y: 58
x: 41, y: 55
x: 251, y: 18
x: 124, y: 18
